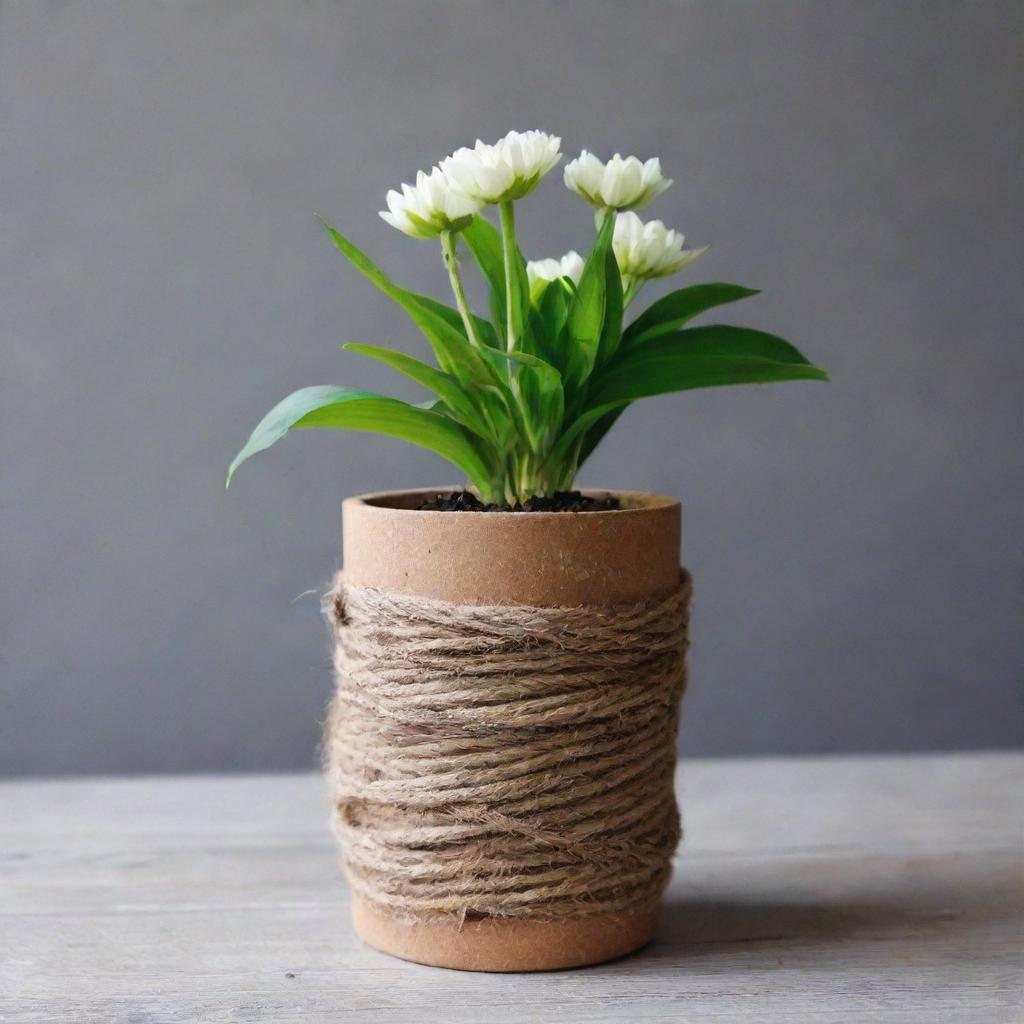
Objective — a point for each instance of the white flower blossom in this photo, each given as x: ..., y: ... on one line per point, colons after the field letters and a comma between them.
x: 431, y: 206
x: 506, y: 170
x: 542, y: 271
x: 646, y: 250
x: 620, y: 184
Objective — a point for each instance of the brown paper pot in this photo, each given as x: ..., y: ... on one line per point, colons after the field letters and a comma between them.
x: 545, y: 559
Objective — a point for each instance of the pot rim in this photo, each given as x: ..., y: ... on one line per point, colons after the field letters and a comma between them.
x: 639, y: 503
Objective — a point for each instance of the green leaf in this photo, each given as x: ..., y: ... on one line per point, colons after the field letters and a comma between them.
x: 554, y: 343
x: 679, y: 307
x: 454, y: 353
x: 543, y: 399
x: 595, y: 434
x: 587, y: 308
x: 547, y: 322
x: 348, y: 409
x: 700, y: 357
x: 583, y: 424
x: 442, y: 384
x: 521, y: 298
x: 611, y: 328
x: 484, y: 242
x: 663, y: 317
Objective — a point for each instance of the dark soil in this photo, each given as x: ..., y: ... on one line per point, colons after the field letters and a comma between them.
x: 560, y: 501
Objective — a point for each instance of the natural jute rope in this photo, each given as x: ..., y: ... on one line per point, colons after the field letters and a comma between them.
x: 504, y: 761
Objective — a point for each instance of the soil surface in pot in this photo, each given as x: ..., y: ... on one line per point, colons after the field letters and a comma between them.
x: 560, y: 501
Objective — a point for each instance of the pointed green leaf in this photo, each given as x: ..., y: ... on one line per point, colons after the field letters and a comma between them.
x: 611, y: 327
x: 454, y: 353
x: 587, y: 308
x: 442, y: 384
x: 520, y: 293
x: 596, y: 432
x: 349, y: 409
x: 583, y: 424
x: 543, y: 400
x: 700, y: 357
x: 547, y: 323
x: 484, y: 242
x: 681, y: 306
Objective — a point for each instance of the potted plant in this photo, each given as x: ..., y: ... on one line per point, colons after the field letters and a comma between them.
x: 510, y: 655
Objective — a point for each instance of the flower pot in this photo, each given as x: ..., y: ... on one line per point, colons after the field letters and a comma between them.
x: 595, y: 561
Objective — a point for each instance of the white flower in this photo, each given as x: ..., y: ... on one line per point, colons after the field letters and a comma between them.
x: 622, y: 184
x: 505, y: 171
x: 646, y: 250
x: 431, y: 206
x: 542, y: 271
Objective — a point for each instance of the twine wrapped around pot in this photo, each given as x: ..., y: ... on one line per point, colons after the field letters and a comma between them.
x: 504, y: 761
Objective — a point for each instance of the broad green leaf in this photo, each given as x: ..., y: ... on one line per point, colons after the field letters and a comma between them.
x: 662, y: 317
x: 349, y: 409
x: 700, y: 357
x: 582, y: 425
x: 554, y: 307
x: 484, y: 242
x: 543, y: 400
x: 444, y: 385
x: 454, y: 353
x: 611, y: 328
x: 679, y: 307
x: 595, y: 433
x: 547, y: 322
x: 504, y: 416
x: 587, y: 308
x: 483, y: 410
x: 686, y: 303
x: 520, y: 295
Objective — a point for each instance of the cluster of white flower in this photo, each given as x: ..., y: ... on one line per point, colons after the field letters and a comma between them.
x: 448, y: 197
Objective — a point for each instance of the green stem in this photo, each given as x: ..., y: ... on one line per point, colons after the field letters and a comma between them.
x: 451, y: 262
x: 508, y: 248
x: 632, y: 287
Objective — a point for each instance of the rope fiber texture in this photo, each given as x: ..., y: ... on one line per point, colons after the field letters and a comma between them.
x: 504, y: 761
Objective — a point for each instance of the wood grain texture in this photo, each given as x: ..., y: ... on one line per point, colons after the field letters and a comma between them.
x: 843, y: 889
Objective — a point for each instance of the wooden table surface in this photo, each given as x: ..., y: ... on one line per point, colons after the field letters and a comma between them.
x: 881, y: 889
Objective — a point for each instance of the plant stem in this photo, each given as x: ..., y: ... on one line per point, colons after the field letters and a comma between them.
x: 631, y: 289
x: 508, y: 246
x: 451, y: 262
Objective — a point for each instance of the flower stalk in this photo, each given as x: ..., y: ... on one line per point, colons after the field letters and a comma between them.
x: 451, y: 262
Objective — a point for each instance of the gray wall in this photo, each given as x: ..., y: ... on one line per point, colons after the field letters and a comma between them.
x: 857, y: 545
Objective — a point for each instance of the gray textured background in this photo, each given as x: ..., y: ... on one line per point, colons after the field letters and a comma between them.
x: 857, y: 545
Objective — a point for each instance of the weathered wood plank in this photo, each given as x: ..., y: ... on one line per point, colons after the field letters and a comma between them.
x: 846, y: 889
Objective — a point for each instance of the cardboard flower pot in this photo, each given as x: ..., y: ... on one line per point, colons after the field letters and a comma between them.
x: 501, y: 744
